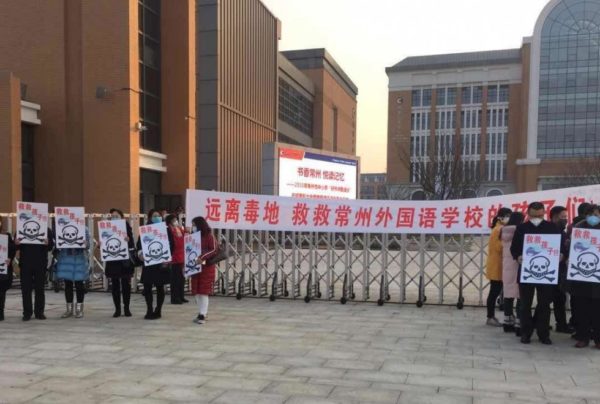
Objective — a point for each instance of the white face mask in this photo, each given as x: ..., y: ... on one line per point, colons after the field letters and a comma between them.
x: 536, y: 221
x: 176, y: 223
x: 194, y: 229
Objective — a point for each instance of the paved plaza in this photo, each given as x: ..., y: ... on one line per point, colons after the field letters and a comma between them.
x: 255, y: 351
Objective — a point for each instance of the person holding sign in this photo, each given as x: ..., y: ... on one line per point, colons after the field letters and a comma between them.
x: 584, y: 277
x: 33, y: 261
x: 121, y: 271
x: 510, y: 275
x: 155, y: 271
x: 6, y: 271
x: 73, y: 267
x: 202, y: 283
x: 494, y: 265
x: 536, y: 225
x: 177, y: 233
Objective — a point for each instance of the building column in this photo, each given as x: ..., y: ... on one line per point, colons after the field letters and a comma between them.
x: 178, y: 95
x: 10, y: 141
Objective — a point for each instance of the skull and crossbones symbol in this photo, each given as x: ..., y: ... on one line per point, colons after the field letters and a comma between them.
x: 156, y: 252
x: 587, y: 266
x: 32, y: 232
x: 191, y: 262
x: 539, y: 269
x: 113, y: 249
x: 70, y: 236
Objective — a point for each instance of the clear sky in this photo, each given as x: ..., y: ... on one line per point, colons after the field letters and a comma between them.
x: 366, y: 36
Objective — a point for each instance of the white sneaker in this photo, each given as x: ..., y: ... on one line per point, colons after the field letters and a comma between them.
x: 493, y: 322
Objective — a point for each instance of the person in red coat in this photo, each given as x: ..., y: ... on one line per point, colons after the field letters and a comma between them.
x: 202, y: 284
x: 177, y: 261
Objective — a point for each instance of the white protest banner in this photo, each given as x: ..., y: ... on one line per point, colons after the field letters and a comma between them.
x: 70, y: 227
x: 32, y: 222
x: 3, y: 254
x: 193, y: 249
x: 584, y: 258
x: 467, y: 216
x: 155, y: 244
x: 113, y: 246
x: 541, y: 258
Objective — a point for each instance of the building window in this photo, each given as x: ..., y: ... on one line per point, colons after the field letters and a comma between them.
x: 150, y: 73
x: 295, y: 109
x: 497, y: 144
x: 569, y: 107
x: 27, y: 163
x: 150, y: 187
x: 421, y: 97
x: 446, y: 96
x: 494, y: 192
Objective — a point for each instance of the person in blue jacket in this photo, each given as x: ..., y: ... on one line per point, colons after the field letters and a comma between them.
x: 72, y: 266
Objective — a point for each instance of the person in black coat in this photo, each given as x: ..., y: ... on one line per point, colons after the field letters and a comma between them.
x: 587, y: 294
x: 121, y: 272
x: 154, y: 275
x: 559, y: 217
x: 6, y: 279
x: 535, y: 225
x: 33, y: 260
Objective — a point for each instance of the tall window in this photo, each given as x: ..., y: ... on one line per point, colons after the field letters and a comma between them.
x: 295, y: 109
x: 150, y: 76
x: 27, y: 163
x: 420, y: 132
x: 569, y: 102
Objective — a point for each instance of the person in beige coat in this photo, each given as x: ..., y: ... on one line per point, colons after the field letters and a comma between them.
x: 510, y: 273
x: 494, y: 265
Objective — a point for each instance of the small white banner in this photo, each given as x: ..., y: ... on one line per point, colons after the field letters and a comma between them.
x: 193, y: 250
x: 113, y: 246
x: 32, y: 222
x: 70, y: 227
x: 584, y: 257
x: 155, y: 244
x: 3, y: 254
x: 541, y: 259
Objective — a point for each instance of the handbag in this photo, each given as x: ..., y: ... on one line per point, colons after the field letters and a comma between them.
x: 134, y: 259
x: 221, y: 255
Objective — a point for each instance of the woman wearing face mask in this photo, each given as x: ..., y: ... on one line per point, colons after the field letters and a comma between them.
x: 7, y: 278
x: 156, y: 276
x: 72, y: 266
x: 510, y: 271
x: 587, y: 294
x: 121, y: 272
x: 177, y: 280
x: 202, y: 284
x: 494, y: 265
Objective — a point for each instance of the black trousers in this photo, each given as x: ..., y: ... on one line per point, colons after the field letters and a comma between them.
x: 177, y: 283
x: 33, y: 278
x: 160, y: 296
x: 588, y: 319
x: 495, y: 290
x: 79, y: 290
x: 121, y: 285
x: 559, y: 303
x: 542, y: 318
x: 2, y: 300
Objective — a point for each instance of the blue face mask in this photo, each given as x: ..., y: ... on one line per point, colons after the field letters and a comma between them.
x: 593, y: 220
x: 156, y: 219
x: 194, y: 229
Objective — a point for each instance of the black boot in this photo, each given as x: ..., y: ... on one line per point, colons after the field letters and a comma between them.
x: 126, y: 298
x: 2, y: 301
x: 160, y: 299
x: 116, y: 295
x: 149, y: 312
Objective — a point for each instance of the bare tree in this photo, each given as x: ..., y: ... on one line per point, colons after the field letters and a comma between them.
x: 442, y: 173
x: 585, y: 171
